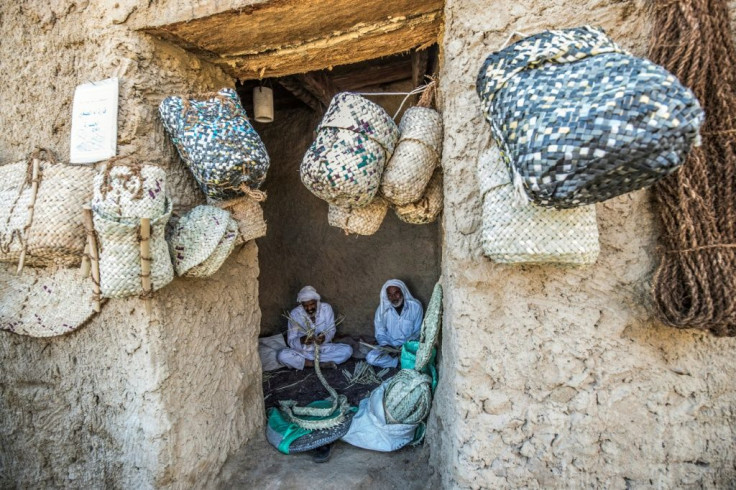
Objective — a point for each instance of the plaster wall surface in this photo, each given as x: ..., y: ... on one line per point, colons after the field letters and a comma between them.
x: 560, y: 377
x: 128, y: 401
x: 301, y: 248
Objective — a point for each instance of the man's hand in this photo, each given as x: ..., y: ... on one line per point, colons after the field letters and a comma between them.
x: 320, y: 339
x: 306, y: 340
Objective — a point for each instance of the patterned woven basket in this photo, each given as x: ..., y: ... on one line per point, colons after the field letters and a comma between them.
x: 41, y: 303
x: 222, y: 251
x: 354, y: 141
x: 428, y: 207
x: 362, y: 221
x: 196, y: 236
x: 416, y: 156
x: 130, y: 190
x: 595, y: 121
x: 408, y: 397
x: 120, y: 260
x: 56, y: 235
x: 248, y: 213
x: 522, y: 232
x: 217, y: 142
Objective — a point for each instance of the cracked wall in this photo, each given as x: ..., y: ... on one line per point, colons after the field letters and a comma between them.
x: 560, y: 377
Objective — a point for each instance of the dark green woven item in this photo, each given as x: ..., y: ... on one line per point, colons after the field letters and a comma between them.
x: 579, y: 120
x: 217, y: 142
x: 290, y: 438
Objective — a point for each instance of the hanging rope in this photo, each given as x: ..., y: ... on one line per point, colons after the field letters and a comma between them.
x: 695, y: 284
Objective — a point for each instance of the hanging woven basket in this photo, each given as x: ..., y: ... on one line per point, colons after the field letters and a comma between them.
x: 217, y: 142
x: 48, y: 223
x: 127, y: 189
x: 222, y: 251
x: 41, y: 303
x: 247, y: 212
x: 416, y: 156
x: 120, y: 254
x: 426, y: 209
x: 361, y: 221
x: 522, y: 232
x: 579, y: 120
x: 355, y: 139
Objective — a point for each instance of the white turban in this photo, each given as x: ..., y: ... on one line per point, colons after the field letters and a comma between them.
x: 307, y: 293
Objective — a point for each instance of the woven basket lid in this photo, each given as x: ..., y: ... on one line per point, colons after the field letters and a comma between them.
x: 213, y: 263
x: 44, y: 303
x: 196, y: 236
x: 358, y: 114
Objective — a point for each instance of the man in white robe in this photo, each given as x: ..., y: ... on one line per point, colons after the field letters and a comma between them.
x: 312, y: 314
x: 398, y: 319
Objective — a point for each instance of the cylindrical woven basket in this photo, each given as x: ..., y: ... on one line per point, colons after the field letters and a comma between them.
x: 354, y: 141
x: 213, y: 263
x: 120, y: 259
x: 428, y: 207
x: 362, y: 221
x: 408, y: 397
x: 130, y: 190
x: 196, y: 236
x: 247, y: 212
x: 416, y: 156
x: 42, y: 303
x: 56, y: 235
x: 515, y: 232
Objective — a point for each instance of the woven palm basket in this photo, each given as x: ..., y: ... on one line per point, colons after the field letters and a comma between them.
x: 355, y: 139
x: 222, y: 251
x: 361, y: 221
x: 515, y: 232
x: 130, y: 191
x: 120, y: 260
x: 247, y: 212
x: 196, y: 236
x: 44, y: 303
x: 580, y: 120
x: 56, y: 235
x: 416, y: 156
x: 408, y: 397
x: 428, y: 207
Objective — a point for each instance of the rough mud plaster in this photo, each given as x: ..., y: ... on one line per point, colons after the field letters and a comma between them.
x: 127, y: 401
x: 301, y: 248
x: 555, y: 377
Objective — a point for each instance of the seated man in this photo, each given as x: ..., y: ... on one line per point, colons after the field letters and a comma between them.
x: 398, y: 319
x: 312, y: 315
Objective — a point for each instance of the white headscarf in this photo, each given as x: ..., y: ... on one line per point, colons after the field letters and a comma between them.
x: 386, y: 303
x: 307, y: 293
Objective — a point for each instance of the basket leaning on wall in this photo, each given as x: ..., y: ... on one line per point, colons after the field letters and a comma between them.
x: 355, y: 139
x: 55, y: 235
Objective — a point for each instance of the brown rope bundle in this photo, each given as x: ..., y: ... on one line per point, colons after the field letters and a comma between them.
x: 695, y: 284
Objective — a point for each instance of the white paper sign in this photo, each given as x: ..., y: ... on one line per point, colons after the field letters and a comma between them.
x: 95, y: 121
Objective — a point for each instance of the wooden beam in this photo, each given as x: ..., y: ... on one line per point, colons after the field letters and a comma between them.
x: 320, y: 85
x: 296, y: 87
x: 419, y: 62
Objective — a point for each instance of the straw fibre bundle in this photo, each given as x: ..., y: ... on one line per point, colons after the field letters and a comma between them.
x: 695, y: 283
